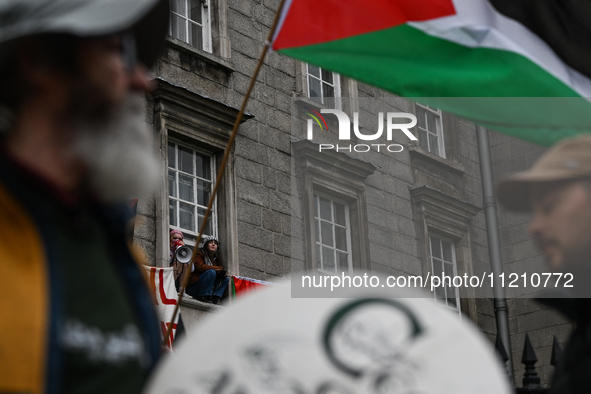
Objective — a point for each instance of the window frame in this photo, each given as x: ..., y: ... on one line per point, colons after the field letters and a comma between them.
x: 446, y: 217
x: 454, y: 264
x: 439, y: 132
x: 336, y: 85
x: 199, y: 121
x: 205, y: 24
x: 192, y: 235
x: 318, y: 234
x: 339, y: 176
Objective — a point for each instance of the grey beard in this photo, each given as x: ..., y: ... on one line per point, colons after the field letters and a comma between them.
x: 119, y: 153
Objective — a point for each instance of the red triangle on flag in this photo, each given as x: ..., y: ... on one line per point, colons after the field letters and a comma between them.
x: 312, y: 22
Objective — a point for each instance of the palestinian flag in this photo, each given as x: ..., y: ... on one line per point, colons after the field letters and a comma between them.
x: 240, y: 285
x: 515, y: 66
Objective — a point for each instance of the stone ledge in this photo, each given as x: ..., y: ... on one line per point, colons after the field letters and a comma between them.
x: 192, y: 303
x: 177, y: 44
x: 416, y: 152
x: 193, y: 311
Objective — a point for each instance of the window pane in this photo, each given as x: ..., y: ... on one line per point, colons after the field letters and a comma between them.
x: 328, y: 259
x: 186, y: 188
x: 186, y: 160
x: 433, y: 144
x: 314, y: 70
x: 341, y: 238
x: 431, y: 122
x: 195, y: 11
x: 178, y: 27
x: 314, y: 89
x: 327, y: 76
x: 327, y: 234
x: 178, y: 6
x: 448, y: 269
x: 187, y: 216
x: 207, y: 229
x: 171, y: 156
x: 437, y: 268
x: 172, y: 212
x: 203, y: 163
x: 172, y: 183
x: 437, y: 271
x: 447, y: 251
x: 423, y: 140
x: 339, y: 214
x: 421, y: 118
x: 343, y: 261
x: 195, y: 35
x: 325, y: 209
x: 329, y: 96
x: 203, y: 192
x: 435, y: 247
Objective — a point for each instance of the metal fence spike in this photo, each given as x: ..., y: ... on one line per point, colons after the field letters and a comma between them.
x: 529, y: 359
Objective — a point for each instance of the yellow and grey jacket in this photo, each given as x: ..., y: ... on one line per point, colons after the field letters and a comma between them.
x: 31, y: 301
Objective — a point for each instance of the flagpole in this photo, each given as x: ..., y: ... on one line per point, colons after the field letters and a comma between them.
x: 494, y: 248
x: 224, y: 162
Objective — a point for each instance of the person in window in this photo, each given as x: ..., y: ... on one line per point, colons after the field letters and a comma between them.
x: 208, y: 280
x: 74, y: 150
x: 176, y: 241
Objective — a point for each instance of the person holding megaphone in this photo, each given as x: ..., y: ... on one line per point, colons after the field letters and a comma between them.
x: 208, y: 279
x: 180, y: 256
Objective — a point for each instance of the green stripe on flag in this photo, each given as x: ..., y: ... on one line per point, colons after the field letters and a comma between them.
x: 410, y: 63
x: 232, y: 288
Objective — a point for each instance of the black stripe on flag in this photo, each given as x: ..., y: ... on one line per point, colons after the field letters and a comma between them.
x: 565, y: 25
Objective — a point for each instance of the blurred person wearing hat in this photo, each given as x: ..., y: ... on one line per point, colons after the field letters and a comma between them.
x: 76, y: 312
x: 557, y: 192
x: 208, y: 280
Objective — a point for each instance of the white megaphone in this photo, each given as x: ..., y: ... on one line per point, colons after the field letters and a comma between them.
x: 184, y: 254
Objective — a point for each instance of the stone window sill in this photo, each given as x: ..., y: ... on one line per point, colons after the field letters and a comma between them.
x: 179, y: 45
x: 418, y: 153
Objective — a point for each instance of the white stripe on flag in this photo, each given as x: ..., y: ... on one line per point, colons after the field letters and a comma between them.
x: 162, y: 285
x: 478, y: 24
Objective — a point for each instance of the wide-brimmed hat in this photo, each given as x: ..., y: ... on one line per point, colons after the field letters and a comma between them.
x: 147, y: 19
x: 570, y: 159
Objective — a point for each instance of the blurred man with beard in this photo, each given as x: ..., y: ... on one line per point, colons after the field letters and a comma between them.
x: 75, y: 312
x: 557, y: 191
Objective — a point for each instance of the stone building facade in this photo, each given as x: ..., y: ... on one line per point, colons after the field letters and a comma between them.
x: 410, y: 212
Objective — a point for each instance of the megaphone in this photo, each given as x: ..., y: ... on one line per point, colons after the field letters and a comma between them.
x: 184, y: 254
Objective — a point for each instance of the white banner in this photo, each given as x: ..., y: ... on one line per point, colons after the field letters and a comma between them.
x: 162, y: 284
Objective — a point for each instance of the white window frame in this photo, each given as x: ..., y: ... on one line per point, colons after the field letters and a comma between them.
x: 438, y: 133
x: 318, y: 234
x: 336, y: 85
x: 205, y: 24
x: 191, y: 236
x: 443, y: 262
